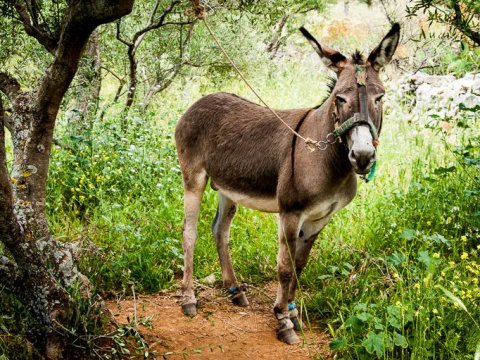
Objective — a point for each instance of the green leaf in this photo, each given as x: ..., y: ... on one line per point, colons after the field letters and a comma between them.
x: 439, y: 239
x: 354, y: 324
x: 394, y: 317
x: 374, y: 344
x: 338, y: 343
x: 454, y: 299
x: 407, y: 234
x: 444, y: 170
x: 424, y: 258
x: 364, y: 316
x: 400, y: 340
x: 396, y: 259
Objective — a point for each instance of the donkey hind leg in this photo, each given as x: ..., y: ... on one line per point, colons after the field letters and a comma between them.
x: 221, y: 232
x: 194, y: 189
x: 289, y: 227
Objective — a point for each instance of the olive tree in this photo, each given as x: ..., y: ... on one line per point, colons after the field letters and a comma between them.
x: 34, y: 266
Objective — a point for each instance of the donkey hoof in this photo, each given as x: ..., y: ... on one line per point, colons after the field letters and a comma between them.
x: 288, y: 336
x: 189, y: 309
x: 240, y: 299
x: 297, y: 323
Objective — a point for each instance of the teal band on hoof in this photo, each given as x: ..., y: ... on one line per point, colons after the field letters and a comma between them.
x: 233, y: 290
x: 291, y: 306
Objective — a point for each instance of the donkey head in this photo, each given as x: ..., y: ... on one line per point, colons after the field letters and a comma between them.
x: 357, y: 96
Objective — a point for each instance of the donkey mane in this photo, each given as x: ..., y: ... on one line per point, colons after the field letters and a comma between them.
x: 358, y: 58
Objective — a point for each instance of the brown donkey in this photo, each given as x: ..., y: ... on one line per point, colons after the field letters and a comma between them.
x: 253, y: 159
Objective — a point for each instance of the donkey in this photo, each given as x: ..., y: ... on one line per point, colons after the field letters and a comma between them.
x: 254, y: 160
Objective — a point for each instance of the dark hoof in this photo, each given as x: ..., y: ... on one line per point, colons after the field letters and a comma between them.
x: 189, y: 309
x: 240, y: 299
x: 297, y: 323
x: 288, y: 336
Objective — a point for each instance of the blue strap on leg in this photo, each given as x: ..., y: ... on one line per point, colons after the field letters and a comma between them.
x: 291, y: 306
x: 233, y: 290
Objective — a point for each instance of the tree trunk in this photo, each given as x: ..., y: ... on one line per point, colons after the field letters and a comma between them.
x: 89, y: 84
x: 274, y: 45
x: 36, y: 268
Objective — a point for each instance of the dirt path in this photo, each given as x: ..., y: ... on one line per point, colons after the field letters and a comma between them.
x: 220, y: 330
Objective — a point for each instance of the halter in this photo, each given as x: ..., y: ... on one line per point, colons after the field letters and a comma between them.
x: 362, y: 117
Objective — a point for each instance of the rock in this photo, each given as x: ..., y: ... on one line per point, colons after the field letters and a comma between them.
x: 441, y: 94
x: 209, y: 280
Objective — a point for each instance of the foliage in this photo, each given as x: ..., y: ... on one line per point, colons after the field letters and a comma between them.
x: 462, y: 17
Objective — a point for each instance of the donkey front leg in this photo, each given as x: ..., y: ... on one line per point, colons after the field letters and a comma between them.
x: 221, y: 232
x: 192, y: 201
x: 289, y: 227
x: 306, y: 238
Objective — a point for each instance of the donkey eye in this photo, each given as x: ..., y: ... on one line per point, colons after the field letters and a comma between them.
x: 378, y: 99
x: 341, y: 100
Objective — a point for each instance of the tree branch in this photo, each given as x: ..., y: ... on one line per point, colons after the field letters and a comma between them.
x: 9, y: 86
x: 152, y: 26
x: 44, y: 38
x: 82, y: 17
x: 462, y: 26
x: 118, y: 35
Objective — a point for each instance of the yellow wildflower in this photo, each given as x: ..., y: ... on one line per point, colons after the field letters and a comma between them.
x: 464, y: 256
x: 463, y: 238
x: 417, y: 286
x: 436, y: 255
x: 435, y: 311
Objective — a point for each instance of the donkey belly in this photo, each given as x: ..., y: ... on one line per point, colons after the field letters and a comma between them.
x: 265, y: 204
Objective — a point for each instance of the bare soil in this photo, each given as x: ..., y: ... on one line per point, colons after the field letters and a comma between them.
x: 220, y: 330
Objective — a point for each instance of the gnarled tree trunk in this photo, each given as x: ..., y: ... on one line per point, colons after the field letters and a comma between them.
x: 36, y: 268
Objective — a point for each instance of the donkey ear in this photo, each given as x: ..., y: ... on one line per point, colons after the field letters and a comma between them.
x: 331, y: 58
x: 382, y: 54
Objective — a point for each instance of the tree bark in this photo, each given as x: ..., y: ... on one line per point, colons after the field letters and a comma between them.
x: 464, y: 26
x: 42, y: 267
x: 89, y: 84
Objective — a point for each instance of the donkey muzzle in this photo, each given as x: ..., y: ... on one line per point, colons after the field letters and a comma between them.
x: 362, y: 152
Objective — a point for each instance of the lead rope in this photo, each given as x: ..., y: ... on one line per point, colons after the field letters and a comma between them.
x: 312, y: 145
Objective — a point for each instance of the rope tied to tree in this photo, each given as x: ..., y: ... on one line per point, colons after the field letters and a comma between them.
x: 361, y: 76
x: 201, y: 14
